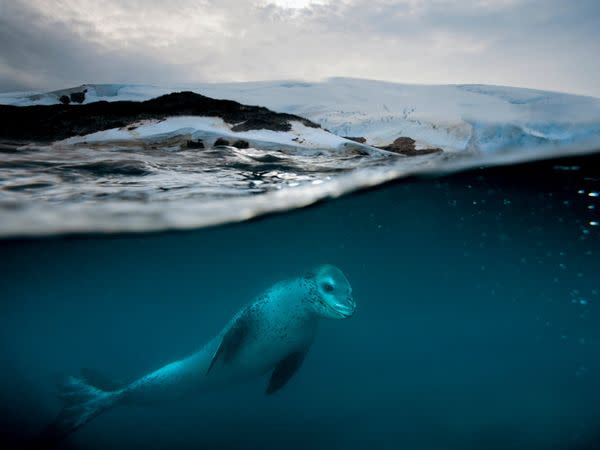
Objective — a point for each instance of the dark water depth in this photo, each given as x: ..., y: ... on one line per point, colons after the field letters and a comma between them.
x: 478, y: 320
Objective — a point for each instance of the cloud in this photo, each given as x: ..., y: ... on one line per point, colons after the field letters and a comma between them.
x: 549, y: 44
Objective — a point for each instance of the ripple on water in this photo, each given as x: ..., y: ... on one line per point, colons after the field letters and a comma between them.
x: 125, y: 167
x: 27, y: 186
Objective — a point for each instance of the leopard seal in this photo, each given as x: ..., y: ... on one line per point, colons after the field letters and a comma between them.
x: 271, y: 334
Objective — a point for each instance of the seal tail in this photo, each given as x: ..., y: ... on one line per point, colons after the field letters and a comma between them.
x: 82, y: 403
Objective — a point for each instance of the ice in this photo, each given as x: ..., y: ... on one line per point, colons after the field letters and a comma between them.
x: 474, y: 118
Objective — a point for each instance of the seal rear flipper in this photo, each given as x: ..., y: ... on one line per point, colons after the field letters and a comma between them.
x: 284, y: 371
x: 233, y: 340
x: 82, y: 402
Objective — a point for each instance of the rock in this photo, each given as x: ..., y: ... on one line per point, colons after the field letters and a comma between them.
x: 359, y: 139
x: 401, y: 145
x: 351, y: 148
x: 195, y: 144
x: 65, y: 100
x: 48, y: 123
x: 406, y: 146
x: 221, y: 141
x: 240, y: 143
x: 78, y: 97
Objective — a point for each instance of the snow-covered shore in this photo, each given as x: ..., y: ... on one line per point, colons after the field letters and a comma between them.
x: 475, y: 118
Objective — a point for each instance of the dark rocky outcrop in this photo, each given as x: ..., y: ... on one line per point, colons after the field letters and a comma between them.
x: 406, y: 146
x: 64, y: 99
x: 221, y: 141
x: 359, y: 139
x: 240, y: 143
x: 197, y: 144
x: 46, y: 123
x: 78, y: 97
x: 262, y: 122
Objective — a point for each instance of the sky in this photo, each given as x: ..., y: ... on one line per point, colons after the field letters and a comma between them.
x: 544, y: 44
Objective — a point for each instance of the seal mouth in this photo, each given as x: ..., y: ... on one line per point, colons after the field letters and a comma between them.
x: 344, y: 310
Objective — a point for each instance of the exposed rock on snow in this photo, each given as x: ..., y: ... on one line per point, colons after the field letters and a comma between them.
x: 221, y: 141
x: 78, y: 97
x: 406, y: 146
x: 197, y: 144
x: 55, y: 122
x: 359, y: 139
x: 240, y: 143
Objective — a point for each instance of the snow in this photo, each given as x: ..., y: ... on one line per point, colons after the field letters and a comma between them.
x: 474, y: 118
x: 479, y: 118
x: 299, y: 138
x: 95, y: 92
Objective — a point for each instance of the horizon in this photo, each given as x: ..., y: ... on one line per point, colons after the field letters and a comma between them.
x: 197, y: 85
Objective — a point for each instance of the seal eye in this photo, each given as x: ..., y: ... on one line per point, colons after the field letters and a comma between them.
x: 328, y: 287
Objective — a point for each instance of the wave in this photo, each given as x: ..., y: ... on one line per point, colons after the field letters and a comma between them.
x: 123, y: 167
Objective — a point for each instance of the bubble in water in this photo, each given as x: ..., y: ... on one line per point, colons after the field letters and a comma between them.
x: 594, y: 223
x: 593, y: 194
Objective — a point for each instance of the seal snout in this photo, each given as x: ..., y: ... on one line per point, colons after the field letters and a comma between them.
x: 347, y: 307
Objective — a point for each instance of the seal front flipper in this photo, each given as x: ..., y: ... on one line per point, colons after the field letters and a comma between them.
x: 284, y: 371
x: 233, y: 340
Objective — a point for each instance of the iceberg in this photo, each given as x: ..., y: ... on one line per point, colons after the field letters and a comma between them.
x: 456, y: 118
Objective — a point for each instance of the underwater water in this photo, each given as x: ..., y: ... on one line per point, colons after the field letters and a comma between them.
x: 477, y: 321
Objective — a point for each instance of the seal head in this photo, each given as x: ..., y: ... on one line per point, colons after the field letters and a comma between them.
x: 332, y: 293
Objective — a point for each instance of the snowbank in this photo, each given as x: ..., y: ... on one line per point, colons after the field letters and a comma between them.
x: 474, y: 118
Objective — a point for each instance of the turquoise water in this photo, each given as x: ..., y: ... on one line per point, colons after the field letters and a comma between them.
x: 477, y: 323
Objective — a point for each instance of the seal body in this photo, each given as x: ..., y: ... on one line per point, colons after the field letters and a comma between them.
x: 278, y: 323
x: 273, y: 333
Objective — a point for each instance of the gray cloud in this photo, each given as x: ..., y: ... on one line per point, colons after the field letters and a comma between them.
x: 548, y: 44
